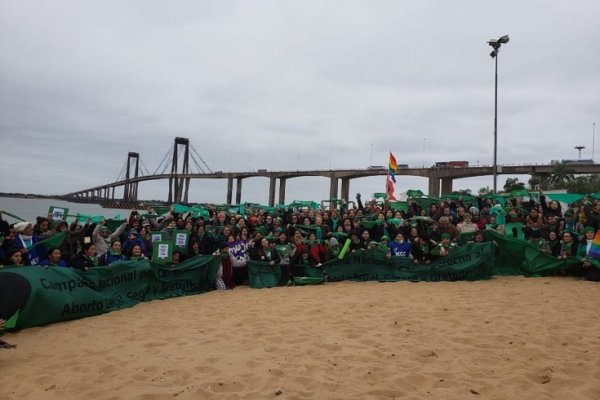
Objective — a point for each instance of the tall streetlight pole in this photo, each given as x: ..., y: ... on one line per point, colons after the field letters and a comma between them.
x: 496, y: 43
x: 593, y: 142
x: 371, y: 155
x: 424, y: 140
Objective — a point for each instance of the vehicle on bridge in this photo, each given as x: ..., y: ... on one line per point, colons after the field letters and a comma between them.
x: 376, y: 167
x: 451, y: 164
x: 577, y: 162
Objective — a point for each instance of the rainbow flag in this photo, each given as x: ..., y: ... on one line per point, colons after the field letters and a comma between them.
x: 595, y: 249
x: 391, y: 178
x: 393, y: 166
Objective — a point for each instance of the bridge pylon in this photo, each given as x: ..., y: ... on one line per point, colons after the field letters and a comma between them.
x: 179, y: 187
x: 130, y: 191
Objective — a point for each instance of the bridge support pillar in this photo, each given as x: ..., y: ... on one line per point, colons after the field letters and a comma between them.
x: 345, y: 188
x: 434, y: 186
x: 282, y: 182
x: 272, y: 184
x: 333, y: 188
x: 238, y: 191
x: 229, y: 190
x: 446, y: 185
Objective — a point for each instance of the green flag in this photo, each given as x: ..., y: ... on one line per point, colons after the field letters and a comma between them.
x: 51, y: 242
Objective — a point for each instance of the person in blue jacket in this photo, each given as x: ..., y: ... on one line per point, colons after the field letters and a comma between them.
x: 133, y: 238
x: 399, y: 246
x: 24, y: 241
x: 53, y: 259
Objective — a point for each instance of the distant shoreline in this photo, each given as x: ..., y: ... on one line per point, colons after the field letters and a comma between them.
x: 117, y: 203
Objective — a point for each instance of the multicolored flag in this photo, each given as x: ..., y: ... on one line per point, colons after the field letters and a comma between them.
x: 595, y: 249
x: 391, y: 178
x: 393, y: 166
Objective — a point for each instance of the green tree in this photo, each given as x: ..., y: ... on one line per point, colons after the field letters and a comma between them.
x: 584, y: 184
x: 484, y: 191
x: 513, y: 184
x: 561, y: 175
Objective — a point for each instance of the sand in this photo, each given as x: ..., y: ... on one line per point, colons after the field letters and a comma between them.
x: 507, y: 338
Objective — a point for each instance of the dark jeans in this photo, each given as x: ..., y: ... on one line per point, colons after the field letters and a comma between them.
x: 240, y: 275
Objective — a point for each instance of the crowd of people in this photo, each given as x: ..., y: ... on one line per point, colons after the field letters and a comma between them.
x: 294, y: 239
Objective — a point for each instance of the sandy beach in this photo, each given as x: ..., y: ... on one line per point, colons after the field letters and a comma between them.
x: 506, y: 338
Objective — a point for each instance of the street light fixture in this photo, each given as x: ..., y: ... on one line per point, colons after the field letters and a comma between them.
x: 496, y: 43
x: 593, y: 142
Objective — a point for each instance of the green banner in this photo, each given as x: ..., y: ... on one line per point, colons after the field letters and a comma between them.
x: 162, y: 252
x: 181, y: 240
x: 517, y: 257
x: 58, y: 213
x: 263, y: 275
x: 470, y: 262
x: 49, y: 295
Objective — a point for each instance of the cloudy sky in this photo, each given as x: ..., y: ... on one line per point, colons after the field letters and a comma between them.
x: 290, y: 85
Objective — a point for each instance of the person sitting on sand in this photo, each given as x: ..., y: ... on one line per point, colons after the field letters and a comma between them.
x: 535, y: 238
x: 568, y: 247
x: 590, y: 260
x: 54, y: 259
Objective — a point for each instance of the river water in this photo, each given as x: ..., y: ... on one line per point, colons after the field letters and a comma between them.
x: 29, y: 209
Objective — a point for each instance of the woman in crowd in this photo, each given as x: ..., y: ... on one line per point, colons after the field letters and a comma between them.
x: 114, y: 254
x: 15, y: 258
x: 53, y: 259
x: 136, y: 253
x: 86, y: 259
x: 25, y: 241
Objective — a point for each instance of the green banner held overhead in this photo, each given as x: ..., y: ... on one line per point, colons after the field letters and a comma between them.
x: 162, y: 252
x: 42, y: 296
x: 114, y: 224
x: 58, y: 213
x: 181, y: 240
x: 157, y: 236
x: 51, y: 242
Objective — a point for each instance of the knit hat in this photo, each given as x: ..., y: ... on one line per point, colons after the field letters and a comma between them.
x: 133, y: 232
x: 333, y: 242
x: 445, y: 236
x: 589, y: 229
x: 21, y: 226
x: 384, y: 237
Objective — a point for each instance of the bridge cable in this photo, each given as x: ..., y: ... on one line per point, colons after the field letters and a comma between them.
x: 200, y: 158
x: 197, y: 163
x: 121, y: 175
x: 143, y: 168
x: 169, y: 156
x: 169, y: 152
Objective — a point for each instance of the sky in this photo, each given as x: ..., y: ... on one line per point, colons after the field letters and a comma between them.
x: 287, y: 85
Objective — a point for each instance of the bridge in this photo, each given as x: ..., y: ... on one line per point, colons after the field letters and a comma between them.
x: 179, y: 177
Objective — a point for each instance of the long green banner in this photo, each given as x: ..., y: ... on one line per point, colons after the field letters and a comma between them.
x: 470, y: 262
x: 518, y: 257
x: 41, y: 296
